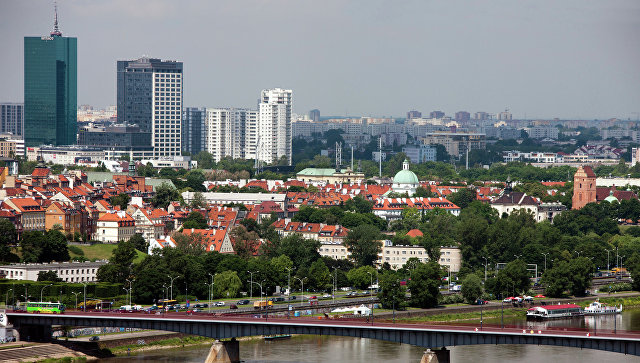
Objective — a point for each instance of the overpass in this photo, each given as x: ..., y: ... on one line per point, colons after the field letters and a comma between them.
x: 38, y: 326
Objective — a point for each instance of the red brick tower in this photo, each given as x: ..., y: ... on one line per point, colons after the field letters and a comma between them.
x: 584, y: 187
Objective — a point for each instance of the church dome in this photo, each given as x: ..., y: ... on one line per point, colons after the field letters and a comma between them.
x: 405, y: 176
x: 611, y: 198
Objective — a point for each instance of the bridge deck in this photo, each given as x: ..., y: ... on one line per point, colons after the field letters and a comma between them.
x: 426, y: 335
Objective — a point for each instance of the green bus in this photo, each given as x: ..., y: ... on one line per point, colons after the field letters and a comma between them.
x: 45, y: 307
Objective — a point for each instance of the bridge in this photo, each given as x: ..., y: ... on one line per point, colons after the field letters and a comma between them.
x: 38, y: 326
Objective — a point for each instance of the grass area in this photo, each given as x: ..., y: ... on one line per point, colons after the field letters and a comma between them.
x: 103, y: 252
x: 15, y: 346
x: 464, y: 316
x: 171, y: 342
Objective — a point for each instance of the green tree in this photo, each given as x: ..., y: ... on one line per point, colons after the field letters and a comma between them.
x: 363, y: 242
x: 319, y: 276
x: 392, y: 295
x: 556, y: 280
x: 31, y: 246
x: 139, y: 243
x: 360, y: 277
x: 471, y: 288
x: 121, y: 200
x: 359, y: 204
x: 165, y: 194
x: 424, y: 285
x: 226, y: 284
x: 8, y: 238
x: 198, y: 200
x: 580, y: 270
x: 49, y: 276
x: 55, y: 247
x: 463, y: 197
x: 246, y: 244
x: 119, y: 267
x: 195, y: 220
x: 300, y: 250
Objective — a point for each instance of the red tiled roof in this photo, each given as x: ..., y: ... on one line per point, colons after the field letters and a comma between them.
x: 415, y: 233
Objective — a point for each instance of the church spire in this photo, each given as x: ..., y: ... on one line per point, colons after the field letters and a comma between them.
x: 56, y: 31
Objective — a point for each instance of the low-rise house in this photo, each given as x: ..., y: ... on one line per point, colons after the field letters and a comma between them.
x: 32, y: 214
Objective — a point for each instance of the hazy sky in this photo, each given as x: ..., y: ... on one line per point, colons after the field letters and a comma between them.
x: 539, y: 58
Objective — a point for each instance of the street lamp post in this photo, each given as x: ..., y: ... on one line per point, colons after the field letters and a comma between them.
x: 485, y: 270
x: 545, y: 260
x: 517, y: 256
x: 42, y: 290
x: 288, y: 281
x: 251, y: 284
x: 210, y: 292
x: 130, y: 290
x: 171, y: 285
x: 84, y: 286
x: 577, y: 252
x: 76, y: 294
x: 6, y: 299
x: 302, y: 289
x: 621, y: 266
x: 608, y: 266
x: 335, y: 284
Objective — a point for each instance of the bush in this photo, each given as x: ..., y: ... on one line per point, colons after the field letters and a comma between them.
x: 452, y: 299
x: 76, y: 250
x: 622, y: 286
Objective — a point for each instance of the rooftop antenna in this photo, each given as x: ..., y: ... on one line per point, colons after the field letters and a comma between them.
x: 56, y: 31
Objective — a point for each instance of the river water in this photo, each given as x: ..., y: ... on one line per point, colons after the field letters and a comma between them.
x: 347, y: 350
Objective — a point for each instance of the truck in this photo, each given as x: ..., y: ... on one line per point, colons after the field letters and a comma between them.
x: 262, y: 304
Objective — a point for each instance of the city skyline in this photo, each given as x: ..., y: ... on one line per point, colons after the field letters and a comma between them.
x: 575, y: 59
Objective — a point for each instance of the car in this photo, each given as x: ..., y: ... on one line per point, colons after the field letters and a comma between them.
x: 233, y: 306
x: 314, y: 297
x: 279, y: 299
x: 293, y: 297
x: 94, y: 338
x: 480, y: 302
x: 219, y: 303
x: 243, y: 302
x: 326, y: 296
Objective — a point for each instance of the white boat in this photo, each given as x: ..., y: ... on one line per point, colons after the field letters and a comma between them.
x: 554, y: 311
x: 598, y: 308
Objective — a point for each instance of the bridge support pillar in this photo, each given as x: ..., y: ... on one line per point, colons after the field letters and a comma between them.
x: 224, y: 352
x: 436, y: 356
x: 34, y: 333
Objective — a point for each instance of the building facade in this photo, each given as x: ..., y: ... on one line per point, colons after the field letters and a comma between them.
x: 50, y: 90
x: 150, y: 95
x: 230, y: 132
x: 193, y: 129
x: 67, y: 271
x: 12, y: 119
x: 584, y: 187
x: 274, y: 125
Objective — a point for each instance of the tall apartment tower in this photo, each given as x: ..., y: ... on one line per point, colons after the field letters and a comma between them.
x: 584, y: 187
x: 150, y: 95
x: 12, y: 119
x: 228, y: 133
x: 50, y: 89
x: 193, y: 123
x: 274, y: 125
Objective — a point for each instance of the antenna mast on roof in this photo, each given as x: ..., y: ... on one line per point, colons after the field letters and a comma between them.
x: 56, y: 31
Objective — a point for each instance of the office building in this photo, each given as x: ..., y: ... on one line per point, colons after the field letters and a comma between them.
x: 414, y: 114
x: 436, y: 114
x: 50, y: 89
x: 12, y: 119
x: 462, y: 116
x: 274, y: 126
x: 150, y: 95
x: 193, y: 129
x: 314, y: 115
x: 481, y: 116
x: 456, y: 143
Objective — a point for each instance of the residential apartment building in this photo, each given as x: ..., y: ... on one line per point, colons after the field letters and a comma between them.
x: 456, y: 143
x: 12, y: 119
x: 114, y: 227
x: 230, y: 132
x: 7, y: 148
x: 32, y: 215
x: 420, y: 153
x: 150, y: 95
x: 543, y: 132
x: 71, y: 219
x: 274, y: 126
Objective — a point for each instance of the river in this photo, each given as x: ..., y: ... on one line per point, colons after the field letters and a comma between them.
x: 343, y: 349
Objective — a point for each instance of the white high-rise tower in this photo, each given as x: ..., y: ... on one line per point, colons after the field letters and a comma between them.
x: 274, y: 125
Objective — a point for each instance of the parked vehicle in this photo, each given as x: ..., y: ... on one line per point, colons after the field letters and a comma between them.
x: 233, y: 306
x: 262, y: 304
x: 219, y: 303
x: 94, y: 338
x: 243, y: 302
